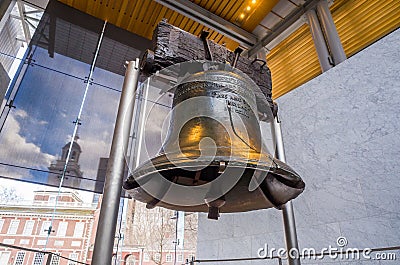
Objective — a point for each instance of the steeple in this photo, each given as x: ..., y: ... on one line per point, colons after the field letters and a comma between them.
x: 73, y: 174
x: 75, y: 151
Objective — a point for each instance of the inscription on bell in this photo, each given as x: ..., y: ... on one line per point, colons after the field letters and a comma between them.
x: 237, y: 104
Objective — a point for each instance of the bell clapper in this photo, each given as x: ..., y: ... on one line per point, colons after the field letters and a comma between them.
x: 222, y: 166
x: 214, y: 206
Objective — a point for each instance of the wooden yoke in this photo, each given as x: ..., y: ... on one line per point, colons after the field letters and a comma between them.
x: 172, y: 45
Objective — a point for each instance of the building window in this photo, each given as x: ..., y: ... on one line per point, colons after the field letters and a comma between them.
x: 1, y: 224
x: 19, y: 259
x: 41, y: 242
x: 75, y: 243
x: 9, y: 241
x: 179, y: 258
x: 157, y: 257
x: 73, y: 258
x: 38, y: 259
x: 24, y: 242
x: 146, y: 257
x: 58, y: 243
x: 79, y: 227
x: 55, y: 259
x: 62, y: 228
x: 45, y: 228
x: 168, y: 257
x: 4, y: 257
x: 28, y: 227
x: 12, y: 229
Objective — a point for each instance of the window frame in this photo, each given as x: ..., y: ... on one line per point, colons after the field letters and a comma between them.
x: 61, y: 230
x: 19, y: 262
x: 73, y: 256
x: 11, y: 232
x: 1, y: 224
x: 38, y: 258
x: 55, y: 259
x: 81, y: 229
x: 6, y: 253
x: 45, y: 226
x: 26, y: 227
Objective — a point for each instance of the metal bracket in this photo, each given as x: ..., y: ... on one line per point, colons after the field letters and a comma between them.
x: 203, y: 37
x: 237, y: 53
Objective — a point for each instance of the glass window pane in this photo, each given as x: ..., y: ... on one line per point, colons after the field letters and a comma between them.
x: 12, y: 229
x: 45, y: 228
x: 28, y: 227
x: 62, y: 228
x: 73, y: 257
x: 38, y: 259
x: 55, y: 259
x: 4, y: 257
x: 79, y: 227
x: 19, y: 259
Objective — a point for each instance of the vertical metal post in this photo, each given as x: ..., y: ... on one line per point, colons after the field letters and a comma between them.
x: 331, y: 34
x: 141, y: 256
x: 104, y: 242
x: 287, y: 209
x: 142, y: 125
x: 319, y: 41
x: 176, y: 236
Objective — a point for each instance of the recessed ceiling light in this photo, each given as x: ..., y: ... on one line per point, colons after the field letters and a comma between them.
x: 248, y: 8
x: 242, y: 15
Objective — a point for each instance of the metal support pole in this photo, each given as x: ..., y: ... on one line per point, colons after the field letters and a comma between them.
x: 104, y: 243
x: 287, y: 209
x: 331, y: 34
x: 141, y: 256
x: 319, y: 41
x: 176, y: 236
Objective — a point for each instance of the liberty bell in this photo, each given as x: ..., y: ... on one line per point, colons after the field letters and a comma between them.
x: 213, y: 159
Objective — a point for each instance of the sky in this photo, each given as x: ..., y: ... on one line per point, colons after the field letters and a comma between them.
x: 48, y: 102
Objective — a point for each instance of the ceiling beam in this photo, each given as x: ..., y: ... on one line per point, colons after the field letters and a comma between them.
x: 209, y: 19
x: 281, y: 27
x: 25, y: 26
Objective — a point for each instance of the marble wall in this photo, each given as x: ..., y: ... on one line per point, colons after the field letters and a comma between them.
x: 341, y: 134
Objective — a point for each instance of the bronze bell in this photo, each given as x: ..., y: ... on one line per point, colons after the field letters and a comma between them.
x: 213, y: 159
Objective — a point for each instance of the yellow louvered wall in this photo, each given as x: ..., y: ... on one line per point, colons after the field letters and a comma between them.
x: 142, y: 16
x: 293, y: 62
x: 359, y: 23
x: 362, y: 22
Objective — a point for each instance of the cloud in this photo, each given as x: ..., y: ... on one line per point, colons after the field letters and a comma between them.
x: 18, y: 151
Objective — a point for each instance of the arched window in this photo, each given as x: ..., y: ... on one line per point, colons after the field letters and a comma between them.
x: 73, y: 156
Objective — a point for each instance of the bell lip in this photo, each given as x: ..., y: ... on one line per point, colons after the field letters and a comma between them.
x: 161, y: 163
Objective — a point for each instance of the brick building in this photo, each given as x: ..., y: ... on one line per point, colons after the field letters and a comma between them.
x: 26, y: 224
x: 73, y: 231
